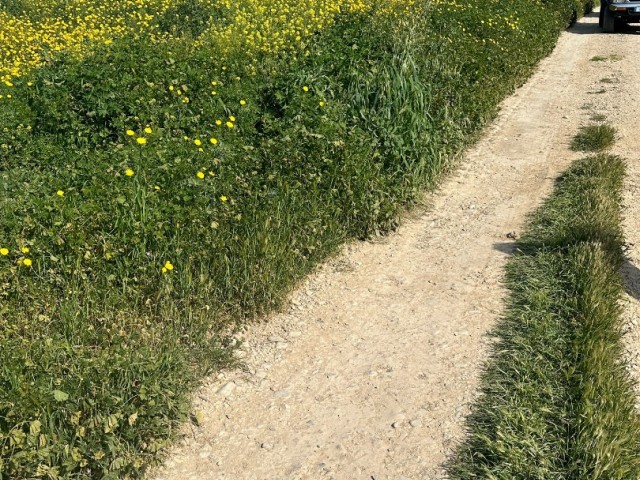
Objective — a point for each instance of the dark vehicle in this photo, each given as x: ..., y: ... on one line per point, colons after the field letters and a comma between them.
x: 614, y: 14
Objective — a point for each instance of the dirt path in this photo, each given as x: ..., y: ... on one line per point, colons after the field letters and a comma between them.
x: 370, y: 373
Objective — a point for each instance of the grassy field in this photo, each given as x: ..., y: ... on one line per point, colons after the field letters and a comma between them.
x: 558, y: 401
x: 170, y: 169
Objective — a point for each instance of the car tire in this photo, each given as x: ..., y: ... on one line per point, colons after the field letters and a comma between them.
x: 609, y: 23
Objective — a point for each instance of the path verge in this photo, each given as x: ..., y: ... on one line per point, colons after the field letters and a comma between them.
x: 558, y: 401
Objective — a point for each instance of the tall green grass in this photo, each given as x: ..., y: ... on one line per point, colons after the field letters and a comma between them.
x: 99, y: 346
x: 558, y: 402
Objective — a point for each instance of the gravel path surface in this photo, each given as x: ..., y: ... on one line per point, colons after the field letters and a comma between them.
x: 370, y: 372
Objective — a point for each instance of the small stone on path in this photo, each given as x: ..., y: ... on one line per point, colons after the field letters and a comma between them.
x: 226, y: 389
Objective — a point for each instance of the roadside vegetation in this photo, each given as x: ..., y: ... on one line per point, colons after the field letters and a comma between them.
x: 558, y: 401
x: 171, y: 169
x: 594, y: 138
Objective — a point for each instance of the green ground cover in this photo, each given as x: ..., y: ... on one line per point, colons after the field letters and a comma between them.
x: 141, y: 255
x: 558, y: 401
x: 594, y: 138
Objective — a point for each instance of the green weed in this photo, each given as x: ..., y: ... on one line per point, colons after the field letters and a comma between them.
x: 594, y: 138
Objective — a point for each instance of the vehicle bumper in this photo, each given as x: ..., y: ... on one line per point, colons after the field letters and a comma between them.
x: 627, y: 11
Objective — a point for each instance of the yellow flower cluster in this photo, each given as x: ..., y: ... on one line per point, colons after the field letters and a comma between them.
x: 23, y: 260
x: 273, y: 26
x: 253, y: 26
x: 71, y: 26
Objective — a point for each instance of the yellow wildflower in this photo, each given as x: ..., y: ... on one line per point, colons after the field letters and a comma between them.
x: 218, y: 122
x: 141, y: 140
x: 200, y: 175
x: 27, y: 262
x: 4, y: 251
x: 305, y: 88
x: 148, y: 130
x: 25, y: 250
x: 60, y: 193
x: 198, y: 142
x: 168, y: 265
x: 129, y: 173
x: 230, y: 124
x: 223, y: 198
x: 243, y: 102
x: 214, y: 141
x: 232, y: 118
x: 131, y: 133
